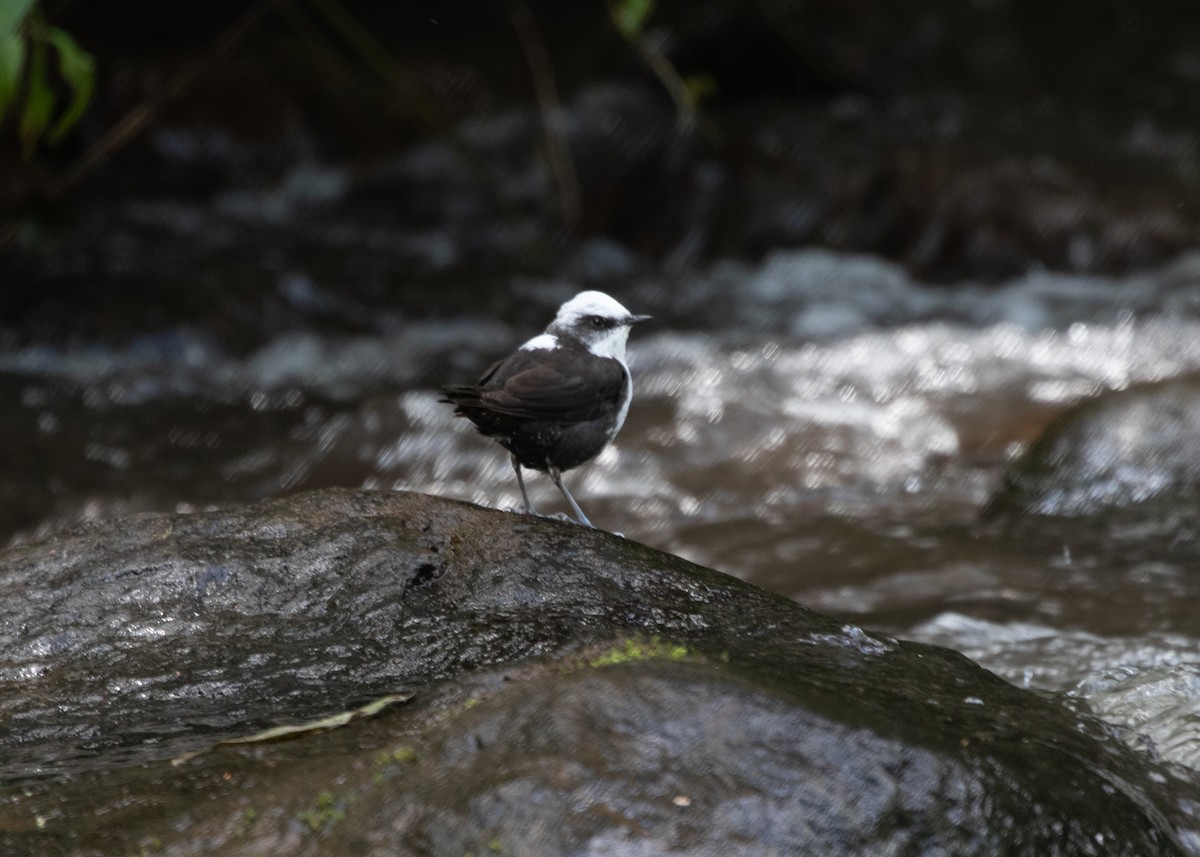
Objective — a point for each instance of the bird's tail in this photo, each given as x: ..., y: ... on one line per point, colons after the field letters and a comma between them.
x: 460, y: 397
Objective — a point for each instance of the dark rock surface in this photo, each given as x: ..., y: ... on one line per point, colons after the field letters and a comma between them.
x: 1138, y: 447
x: 574, y: 693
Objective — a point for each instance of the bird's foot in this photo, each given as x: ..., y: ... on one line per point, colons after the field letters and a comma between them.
x: 552, y: 516
x: 567, y: 519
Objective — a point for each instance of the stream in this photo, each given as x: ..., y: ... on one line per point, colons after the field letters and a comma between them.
x: 816, y: 423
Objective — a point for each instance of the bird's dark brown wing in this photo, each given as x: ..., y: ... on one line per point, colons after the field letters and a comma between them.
x: 552, y: 385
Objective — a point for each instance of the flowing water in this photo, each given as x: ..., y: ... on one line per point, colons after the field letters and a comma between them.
x: 815, y: 423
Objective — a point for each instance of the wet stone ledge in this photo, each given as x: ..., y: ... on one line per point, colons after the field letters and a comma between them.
x: 1131, y: 452
x: 543, y: 690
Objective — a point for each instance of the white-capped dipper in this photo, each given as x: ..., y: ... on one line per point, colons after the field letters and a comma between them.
x: 558, y: 400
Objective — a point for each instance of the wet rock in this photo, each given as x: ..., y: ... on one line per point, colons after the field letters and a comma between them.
x: 1133, y: 448
x: 573, y: 693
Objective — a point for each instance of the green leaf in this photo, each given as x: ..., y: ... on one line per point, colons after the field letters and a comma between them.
x: 12, y: 15
x: 630, y: 15
x: 39, y: 101
x: 78, y: 69
x: 699, y: 87
x: 12, y: 49
x: 12, y: 57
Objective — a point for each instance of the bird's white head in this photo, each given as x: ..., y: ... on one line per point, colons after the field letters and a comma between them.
x: 598, y: 321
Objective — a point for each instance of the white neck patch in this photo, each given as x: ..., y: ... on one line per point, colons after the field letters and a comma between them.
x: 611, y: 343
x: 541, y: 342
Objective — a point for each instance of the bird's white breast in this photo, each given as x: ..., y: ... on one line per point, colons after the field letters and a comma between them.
x: 626, y: 399
x: 613, y: 345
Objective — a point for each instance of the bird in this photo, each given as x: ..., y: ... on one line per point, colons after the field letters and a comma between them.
x: 559, y: 399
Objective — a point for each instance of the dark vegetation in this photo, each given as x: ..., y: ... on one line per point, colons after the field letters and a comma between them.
x: 966, y: 140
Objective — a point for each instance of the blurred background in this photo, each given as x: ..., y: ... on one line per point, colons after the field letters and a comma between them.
x: 886, y: 245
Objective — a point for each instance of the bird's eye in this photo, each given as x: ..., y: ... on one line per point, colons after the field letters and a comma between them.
x: 599, y: 322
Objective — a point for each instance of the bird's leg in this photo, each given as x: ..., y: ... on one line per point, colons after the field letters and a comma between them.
x: 529, y: 510
x: 557, y: 477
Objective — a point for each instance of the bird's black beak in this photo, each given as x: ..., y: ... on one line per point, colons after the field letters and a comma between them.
x: 638, y: 319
